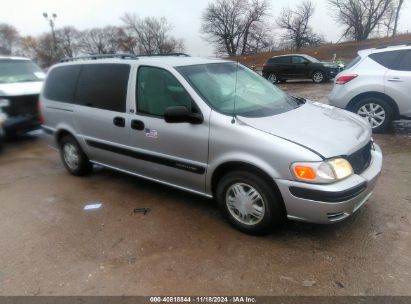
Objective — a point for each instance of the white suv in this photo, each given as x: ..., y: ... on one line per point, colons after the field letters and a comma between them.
x: 376, y: 85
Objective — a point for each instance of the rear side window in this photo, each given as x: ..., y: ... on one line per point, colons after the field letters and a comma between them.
x: 283, y: 60
x: 61, y: 83
x: 298, y: 60
x: 354, y: 62
x: 103, y: 86
x: 386, y: 59
x: 405, y: 62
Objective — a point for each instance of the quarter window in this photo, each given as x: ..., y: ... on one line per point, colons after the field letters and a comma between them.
x: 386, y: 59
x: 103, y: 86
x: 61, y: 83
x: 405, y: 62
x: 158, y: 89
x: 354, y: 62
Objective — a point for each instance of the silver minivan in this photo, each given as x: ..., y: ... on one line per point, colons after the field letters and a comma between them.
x: 214, y: 128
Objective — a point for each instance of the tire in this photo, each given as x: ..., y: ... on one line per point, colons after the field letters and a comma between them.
x: 268, y: 206
x: 74, y: 159
x: 378, y: 112
x: 318, y: 77
x: 272, y: 77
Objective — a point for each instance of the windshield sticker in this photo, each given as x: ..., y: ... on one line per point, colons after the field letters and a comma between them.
x: 151, y: 133
x: 40, y: 75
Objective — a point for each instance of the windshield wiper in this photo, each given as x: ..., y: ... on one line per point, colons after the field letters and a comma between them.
x: 300, y: 101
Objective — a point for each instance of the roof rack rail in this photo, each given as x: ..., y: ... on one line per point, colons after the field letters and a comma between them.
x: 120, y: 56
x: 166, y: 55
x: 391, y: 45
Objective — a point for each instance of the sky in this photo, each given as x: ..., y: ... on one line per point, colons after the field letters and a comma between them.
x: 184, y: 15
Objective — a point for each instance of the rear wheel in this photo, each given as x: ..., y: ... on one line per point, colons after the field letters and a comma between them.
x: 318, y: 77
x: 377, y: 111
x: 272, y: 77
x: 249, y: 203
x: 73, y: 157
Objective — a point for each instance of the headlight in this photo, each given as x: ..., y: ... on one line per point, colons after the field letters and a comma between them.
x: 324, y: 172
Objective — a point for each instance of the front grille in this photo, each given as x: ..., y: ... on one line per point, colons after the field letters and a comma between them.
x: 22, y: 105
x: 361, y: 159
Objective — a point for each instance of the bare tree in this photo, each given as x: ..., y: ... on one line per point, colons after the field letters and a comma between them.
x: 296, y: 22
x: 9, y: 38
x: 99, y: 40
x: 229, y: 24
x: 360, y: 17
x: 150, y: 35
x: 399, y: 4
x: 68, y: 41
x: 260, y: 40
x: 387, y: 22
x: 256, y: 12
x: 127, y: 41
x: 41, y: 49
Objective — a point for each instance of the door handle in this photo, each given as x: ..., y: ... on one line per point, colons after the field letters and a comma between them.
x: 395, y: 79
x: 119, y: 122
x: 137, y: 125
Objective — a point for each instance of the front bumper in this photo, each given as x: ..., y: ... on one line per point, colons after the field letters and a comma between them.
x: 332, y: 72
x: 324, y: 204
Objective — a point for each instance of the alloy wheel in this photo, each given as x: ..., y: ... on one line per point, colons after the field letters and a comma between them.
x: 318, y: 77
x: 374, y: 113
x: 272, y: 78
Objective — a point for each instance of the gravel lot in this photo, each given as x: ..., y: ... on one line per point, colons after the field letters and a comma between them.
x: 50, y: 246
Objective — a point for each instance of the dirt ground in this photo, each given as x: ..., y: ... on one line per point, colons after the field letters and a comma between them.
x: 49, y: 245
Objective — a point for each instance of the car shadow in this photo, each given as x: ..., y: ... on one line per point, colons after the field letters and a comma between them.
x: 179, y: 198
x: 10, y: 143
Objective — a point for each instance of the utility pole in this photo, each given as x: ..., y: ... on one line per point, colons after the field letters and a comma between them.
x: 51, y: 20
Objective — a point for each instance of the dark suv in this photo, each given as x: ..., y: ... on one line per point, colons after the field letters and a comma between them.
x: 281, y: 68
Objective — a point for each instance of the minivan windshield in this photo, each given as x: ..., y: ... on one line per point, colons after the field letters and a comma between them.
x: 231, y: 88
x: 12, y: 71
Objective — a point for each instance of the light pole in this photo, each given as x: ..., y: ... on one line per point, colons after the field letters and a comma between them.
x: 51, y: 20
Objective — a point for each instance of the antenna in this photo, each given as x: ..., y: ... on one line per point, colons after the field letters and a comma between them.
x: 235, y: 91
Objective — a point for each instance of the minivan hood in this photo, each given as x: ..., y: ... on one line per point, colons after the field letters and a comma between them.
x: 327, y: 130
x: 20, y: 88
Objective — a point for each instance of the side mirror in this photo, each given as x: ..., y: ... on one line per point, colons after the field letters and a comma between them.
x: 178, y: 114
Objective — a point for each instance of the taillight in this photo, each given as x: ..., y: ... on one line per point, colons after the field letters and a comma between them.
x: 39, y: 113
x: 345, y: 78
x: 264, y: 65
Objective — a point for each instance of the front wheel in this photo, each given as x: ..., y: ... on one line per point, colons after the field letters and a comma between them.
x: 318, y: 77
x: 73, y: 157
x: 249, y: 203
x: 377, y: 111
